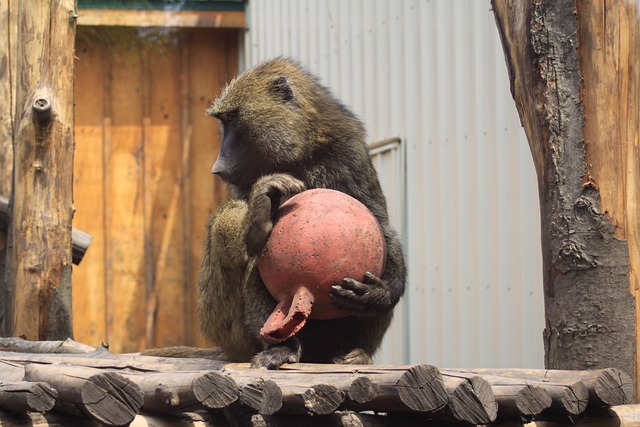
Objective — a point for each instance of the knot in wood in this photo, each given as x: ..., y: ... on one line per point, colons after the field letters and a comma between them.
x: 572, y: 257
x: 42, y: 111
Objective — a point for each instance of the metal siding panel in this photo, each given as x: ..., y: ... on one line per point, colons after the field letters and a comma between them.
x: 433, y: 73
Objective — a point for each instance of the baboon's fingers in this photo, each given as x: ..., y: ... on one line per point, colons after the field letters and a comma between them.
x: 260, y: 226
x: 360, y: 298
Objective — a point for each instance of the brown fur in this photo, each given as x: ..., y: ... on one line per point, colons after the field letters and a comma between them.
x: 284, y: 132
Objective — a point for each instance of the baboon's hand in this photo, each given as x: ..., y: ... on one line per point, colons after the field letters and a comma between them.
x: 267, y: 194
x: 366, y: 298
x: 277, y: 355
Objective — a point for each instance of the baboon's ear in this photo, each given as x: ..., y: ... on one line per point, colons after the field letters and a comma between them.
x: 281, y: 87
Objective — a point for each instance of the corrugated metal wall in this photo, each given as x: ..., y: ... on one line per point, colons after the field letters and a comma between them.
x: 460, y: 184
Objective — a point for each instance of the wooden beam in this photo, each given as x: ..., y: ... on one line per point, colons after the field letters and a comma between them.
x: 161, y: 18
x: 574, y: 76
x: 43, y: 170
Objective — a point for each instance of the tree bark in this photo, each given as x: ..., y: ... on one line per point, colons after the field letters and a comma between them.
x: 8, y: 35
x: 574, y: 76
x: 43, y: 170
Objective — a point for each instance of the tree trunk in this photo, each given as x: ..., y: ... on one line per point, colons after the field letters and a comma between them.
x: 575, y: 76
x: 43, y: 170
x: 8, y: 35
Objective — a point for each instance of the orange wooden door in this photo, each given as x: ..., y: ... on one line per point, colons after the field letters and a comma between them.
x: 142, y: 182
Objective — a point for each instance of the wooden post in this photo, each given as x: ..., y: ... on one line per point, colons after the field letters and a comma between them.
x: 8, y: 35
x: 574, y: 70
x: 43, y: 170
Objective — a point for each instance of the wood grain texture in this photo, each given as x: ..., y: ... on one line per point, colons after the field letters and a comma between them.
x: 8, y: 38
x: 124, y: 175
x: 574, y: 74
x: 162, y: 18
x: 609, y: 49
x: 143, y: 182
x: 89, y: 292
x: 43, y: 169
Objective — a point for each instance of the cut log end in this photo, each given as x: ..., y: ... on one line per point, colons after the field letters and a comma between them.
x: 261, y: 396
x: 322, y: 399
x: 111, y: 399
x: 363, y: 390
x: 473, y: 402
x: 613, y: 387
x: 215, y: 390
x: 42, y: 398
x: 532, y: 400
x: 575, y: 398
x: 421, y: 389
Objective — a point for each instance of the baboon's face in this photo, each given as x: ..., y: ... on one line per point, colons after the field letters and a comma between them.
x: 235, y: 149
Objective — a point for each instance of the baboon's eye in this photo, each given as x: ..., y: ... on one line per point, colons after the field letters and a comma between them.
x: 228, y: 117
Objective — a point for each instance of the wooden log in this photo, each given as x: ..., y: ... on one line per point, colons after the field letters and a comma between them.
x: 470, y: 400
x: 517, y: 399
x: 106, y: 397
x: 397, y: 388
x: 606, y: 387
x: 25, y: 346
x: 8, y: 40
x: 56, y: 419
x: 105, y: 360
x: 43, y: 171
x: 184, y: 391
x: 26, y: 396
x: 260, y: 396
x: 10, y: 371
x: 342, y: 419
x: 573, y: 68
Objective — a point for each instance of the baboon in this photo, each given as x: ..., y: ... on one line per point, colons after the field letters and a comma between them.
x: 283, y: 132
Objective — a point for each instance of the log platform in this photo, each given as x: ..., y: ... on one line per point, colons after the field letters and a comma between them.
x: 62, y: 383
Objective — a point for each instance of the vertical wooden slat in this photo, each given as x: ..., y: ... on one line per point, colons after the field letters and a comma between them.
x: 8, y: 36
x: 145, y: 189
x: 89, y: 277
x: 163, y: 173
x: 125, y: 226
x: 186, y: 131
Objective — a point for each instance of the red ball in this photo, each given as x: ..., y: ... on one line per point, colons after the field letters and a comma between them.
x: 319, y: 237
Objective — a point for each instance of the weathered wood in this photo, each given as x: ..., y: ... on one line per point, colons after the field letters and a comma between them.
x: 89, y: 290
x: 104, y: 360
x: 126, y: 272
x: 80, y: 240
x: 184, y: 391
x: 26, y: 396
x: 49, y: 347
x: 11, y: 372
x: 606, y: 387
x: 618, y: 416
x: 161, y: 18
x: 342, y: 419
x: 259, y: 396
x: 398, y: 388
x: 8, y: 38
x: 516, y: 398
x: 43, y: 170
x: 106, y: 397
x: 54, y: 419
x: 164, y: 213
x: 470, y: 400
x: 573, y: 71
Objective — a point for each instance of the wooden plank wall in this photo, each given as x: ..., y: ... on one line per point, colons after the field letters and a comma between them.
x: 142, y: 182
